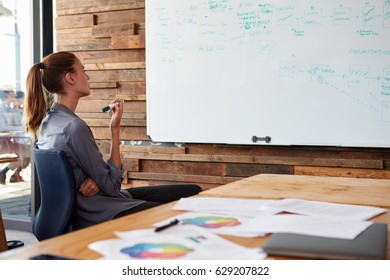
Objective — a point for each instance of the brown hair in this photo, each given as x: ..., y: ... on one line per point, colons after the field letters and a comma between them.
x: 45, y: 78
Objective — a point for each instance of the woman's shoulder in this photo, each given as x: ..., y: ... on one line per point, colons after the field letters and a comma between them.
x: 77, y: 130
x: 77, y: 125
x: 71, y: 122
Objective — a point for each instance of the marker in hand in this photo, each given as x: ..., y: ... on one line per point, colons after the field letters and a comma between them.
x: 109, y: 106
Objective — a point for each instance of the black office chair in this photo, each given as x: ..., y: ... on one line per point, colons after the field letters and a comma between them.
x: 58, y: 194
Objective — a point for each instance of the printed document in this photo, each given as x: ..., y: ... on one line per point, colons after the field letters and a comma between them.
x: 310, y: 225
x: 235, y: 206
x: 178, y: 242
x: 216, y: 223
x: 327, y: 209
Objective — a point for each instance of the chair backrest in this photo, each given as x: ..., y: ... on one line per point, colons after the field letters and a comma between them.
x: 3, y: 239
x: 58, y: 194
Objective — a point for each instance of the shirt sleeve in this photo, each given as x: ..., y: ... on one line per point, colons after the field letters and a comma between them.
x: 84, y: 150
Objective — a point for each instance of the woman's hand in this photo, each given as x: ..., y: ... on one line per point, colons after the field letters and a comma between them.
x: 89, y: 188
x: 116, y: 113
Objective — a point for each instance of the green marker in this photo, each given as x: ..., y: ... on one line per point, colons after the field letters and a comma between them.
x: 109, y: 106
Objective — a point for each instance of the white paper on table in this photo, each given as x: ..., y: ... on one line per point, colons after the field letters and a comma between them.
x: 310, y: 225
x: 178, y: 242
x: 236, y: 206
x: 327, y: 209
x: 216, y: 223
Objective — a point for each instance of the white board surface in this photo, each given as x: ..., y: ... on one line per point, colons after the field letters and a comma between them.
x: 300, y: 72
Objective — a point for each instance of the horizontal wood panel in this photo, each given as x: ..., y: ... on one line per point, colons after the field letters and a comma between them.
x: 110, y: 93
x: 149, y: 182
x: 126, y: 115
x: 84, y: 44
x: 119, y: 17
x: 111, y: 56
x: 267, y: 160
x: 104, y: 146
x: 104, y: 85
x: 182, y: 178
x: 152, y: 149
x: 132, y: 133
x: 175, y: 167
x: 96, y: 106
x: 124, y: 122
x: 246, y: 170
x: 106, y: 94
x: 292, y: 151
x: 129, y: 91
x: 131, y: 75
x: 112, y: 66
x: 128, y: 42
x: 109, y: 30
x: 73, y: 33
x: 65, y: 7
x: 342, y: 172
x: 138, y: 88
x: 130, y: 164
x: 84, y: 20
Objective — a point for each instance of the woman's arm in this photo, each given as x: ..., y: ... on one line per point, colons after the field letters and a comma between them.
x: 116, y: 118
x: 82, y: 148
x: 88, y: 187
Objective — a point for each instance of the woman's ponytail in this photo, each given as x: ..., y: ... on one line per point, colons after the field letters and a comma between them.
x: 35, y: 102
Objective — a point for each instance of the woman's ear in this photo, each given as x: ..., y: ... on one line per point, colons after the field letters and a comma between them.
x: 69, y: 78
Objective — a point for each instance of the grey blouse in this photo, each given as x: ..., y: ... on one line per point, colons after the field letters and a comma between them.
x: 63, y: 130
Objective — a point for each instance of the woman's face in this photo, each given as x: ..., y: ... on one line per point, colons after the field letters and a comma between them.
x: 81, y: 79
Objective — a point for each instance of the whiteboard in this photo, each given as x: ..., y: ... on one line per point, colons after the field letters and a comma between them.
x: 298, y: 72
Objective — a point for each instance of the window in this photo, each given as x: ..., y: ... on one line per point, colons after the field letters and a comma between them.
x: 16, y: 57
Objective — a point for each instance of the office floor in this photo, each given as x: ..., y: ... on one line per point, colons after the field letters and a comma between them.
x: 15, y: 203
x: 27, y: 237
x: 15, y: 198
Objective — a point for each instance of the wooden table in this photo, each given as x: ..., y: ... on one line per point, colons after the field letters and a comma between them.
x: 374, y: 192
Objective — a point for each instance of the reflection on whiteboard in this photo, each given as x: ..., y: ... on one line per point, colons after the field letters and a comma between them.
x: 298, y: 72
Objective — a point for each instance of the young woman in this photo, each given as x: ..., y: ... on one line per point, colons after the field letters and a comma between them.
x: 100, y: 197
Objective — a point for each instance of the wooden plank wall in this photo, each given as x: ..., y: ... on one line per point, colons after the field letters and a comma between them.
x: 109, y: 38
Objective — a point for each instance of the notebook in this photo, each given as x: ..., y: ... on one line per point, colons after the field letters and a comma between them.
x: 370, y: 244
